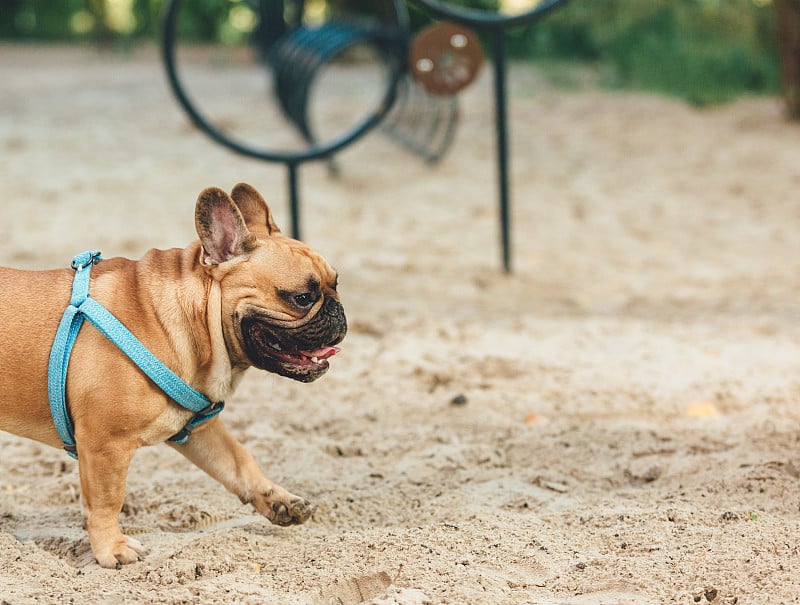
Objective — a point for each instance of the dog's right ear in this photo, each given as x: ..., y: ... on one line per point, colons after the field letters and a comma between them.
x: 221, y: 227
x: 254, y: 209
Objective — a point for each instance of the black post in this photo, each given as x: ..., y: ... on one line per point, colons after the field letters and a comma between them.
x: 499, y: 53
x: 271, y: 26
x: 294, y: 199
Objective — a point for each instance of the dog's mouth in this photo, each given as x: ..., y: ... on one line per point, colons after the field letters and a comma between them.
x: 277, y: 353
x: 303, y: 359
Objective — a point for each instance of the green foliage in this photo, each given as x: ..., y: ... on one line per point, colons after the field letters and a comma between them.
x: 203, y: 21
x: 38, y: 19
x: 421, y: 18
x: 705, y: 51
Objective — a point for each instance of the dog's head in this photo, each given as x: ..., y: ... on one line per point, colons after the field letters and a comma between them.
x: 280, y: 309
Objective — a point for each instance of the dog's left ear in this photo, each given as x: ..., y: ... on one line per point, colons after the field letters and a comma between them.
x: 221, y: 227
x: 254, y: 209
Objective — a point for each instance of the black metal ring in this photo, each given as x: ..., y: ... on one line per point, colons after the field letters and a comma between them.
x: 314, y: 151
x: 482, y: 18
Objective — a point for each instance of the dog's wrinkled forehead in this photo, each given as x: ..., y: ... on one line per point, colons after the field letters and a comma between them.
x: 292, y: 265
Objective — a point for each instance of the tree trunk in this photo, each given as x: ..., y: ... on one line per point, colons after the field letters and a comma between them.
x: 788, y: 14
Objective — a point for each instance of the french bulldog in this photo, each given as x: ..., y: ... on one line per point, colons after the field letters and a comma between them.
x: 242, y: 295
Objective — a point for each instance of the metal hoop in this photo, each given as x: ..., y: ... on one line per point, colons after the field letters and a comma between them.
x: 314, y: 151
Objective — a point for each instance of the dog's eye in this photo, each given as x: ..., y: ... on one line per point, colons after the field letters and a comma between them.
x: 304, y: 300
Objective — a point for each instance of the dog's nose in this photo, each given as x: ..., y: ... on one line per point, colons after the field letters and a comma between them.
x: 337, y: 320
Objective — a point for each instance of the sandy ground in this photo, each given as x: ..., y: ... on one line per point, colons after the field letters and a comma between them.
x: 616, y: 422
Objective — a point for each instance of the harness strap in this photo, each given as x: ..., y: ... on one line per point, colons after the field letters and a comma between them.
x: 82, y: 307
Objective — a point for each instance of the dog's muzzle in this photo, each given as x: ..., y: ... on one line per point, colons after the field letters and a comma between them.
x: 300, y: 353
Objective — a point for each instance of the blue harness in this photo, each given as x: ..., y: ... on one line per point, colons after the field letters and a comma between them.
x: 82, y: 307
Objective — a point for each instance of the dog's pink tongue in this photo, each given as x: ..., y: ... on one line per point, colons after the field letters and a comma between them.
x: 323, y: 353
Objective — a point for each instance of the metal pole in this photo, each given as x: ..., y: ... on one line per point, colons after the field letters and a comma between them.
x: 294, y: 199
x: 500, y: 104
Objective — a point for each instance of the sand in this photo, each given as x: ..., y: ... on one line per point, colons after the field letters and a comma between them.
x: 618, y: 421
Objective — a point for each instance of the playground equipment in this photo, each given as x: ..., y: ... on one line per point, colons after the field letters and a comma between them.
x: 496, y: 24
x: 275, y: 39
x: 421, y: 121
x: 295, y: 53
x: 418, y: 108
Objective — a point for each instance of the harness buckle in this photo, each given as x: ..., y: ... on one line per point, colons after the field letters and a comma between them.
x: 199, y: 418
x: 85, y: 259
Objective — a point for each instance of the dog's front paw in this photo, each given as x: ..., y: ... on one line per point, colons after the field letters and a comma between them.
x: 281, y: 507
x: 118, y: 552
x: 294, y: 513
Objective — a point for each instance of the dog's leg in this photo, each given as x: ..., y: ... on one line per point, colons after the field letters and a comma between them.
x: 217, y: 452
x: 103, y: 471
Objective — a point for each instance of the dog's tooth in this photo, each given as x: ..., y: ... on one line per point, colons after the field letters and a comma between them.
x: 315, y: 359
x: 275, y: 346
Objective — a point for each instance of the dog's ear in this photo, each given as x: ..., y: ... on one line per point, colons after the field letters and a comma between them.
x: 254, y: 209
x: 221, y: 227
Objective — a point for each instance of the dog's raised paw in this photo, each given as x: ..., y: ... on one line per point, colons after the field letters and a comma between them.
x: 298, y: 511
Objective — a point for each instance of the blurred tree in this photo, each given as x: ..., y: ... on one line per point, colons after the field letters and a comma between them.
x: 8, y: 13
x: 102, y: 33
x: 788, y: 15
x: 705, y: 51
x: 37, y: 19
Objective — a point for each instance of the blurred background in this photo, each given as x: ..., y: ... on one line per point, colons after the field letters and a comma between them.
x: 705, y: 51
